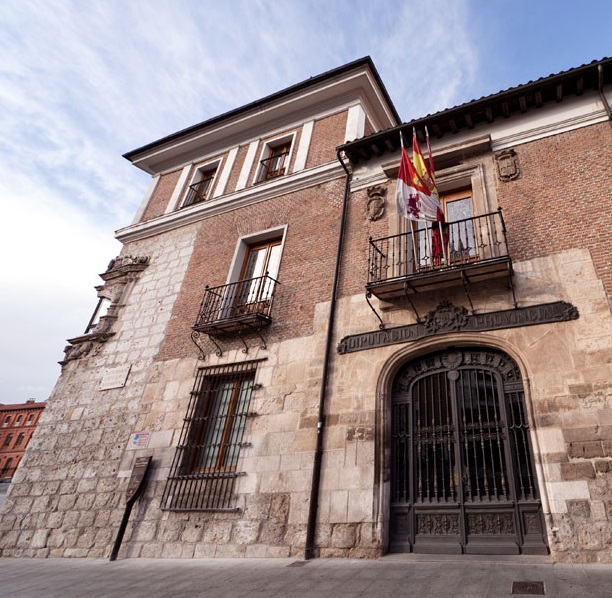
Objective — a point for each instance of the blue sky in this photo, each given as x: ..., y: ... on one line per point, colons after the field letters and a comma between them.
x: 83, y: 82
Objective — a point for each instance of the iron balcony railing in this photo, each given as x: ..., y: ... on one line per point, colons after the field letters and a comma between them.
x: 197, y: 192
x: 247, y: 301
x: 432, y: 247
x: 274, y: 166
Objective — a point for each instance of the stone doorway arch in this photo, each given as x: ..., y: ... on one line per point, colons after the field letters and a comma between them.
x: 462, y: 475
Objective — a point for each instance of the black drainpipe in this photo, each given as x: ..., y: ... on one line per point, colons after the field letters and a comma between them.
x: 318, y: 456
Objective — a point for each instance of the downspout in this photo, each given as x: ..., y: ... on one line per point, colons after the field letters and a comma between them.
x: 601, y: 92
x: 309, y: 551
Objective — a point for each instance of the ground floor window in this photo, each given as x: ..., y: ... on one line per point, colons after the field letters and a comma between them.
x: 205, y: 466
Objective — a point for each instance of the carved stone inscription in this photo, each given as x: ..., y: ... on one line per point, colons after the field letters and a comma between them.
x: 448, y: 318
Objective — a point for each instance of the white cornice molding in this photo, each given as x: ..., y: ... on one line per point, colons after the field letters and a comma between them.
x: 500, y: 142
x: 258, y: 193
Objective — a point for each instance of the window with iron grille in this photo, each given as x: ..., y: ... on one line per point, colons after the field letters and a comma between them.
x: 204, y: 470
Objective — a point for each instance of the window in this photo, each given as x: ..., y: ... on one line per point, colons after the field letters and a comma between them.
x: 19, y: 439
x: 17, y: 422
x: 7, y: 421
x: 100, y: 311
x: 459, y: 239
x: 8, y: 440
x: 204, y: 470
x: 7, y: 466
x: 260, y: 266
x: 30, y: 420
x: 275, y: 161
x: 201, y: 188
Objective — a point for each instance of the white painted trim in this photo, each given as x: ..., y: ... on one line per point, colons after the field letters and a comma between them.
x: 225, y: 173
x: 262, y: 192
x: 145, y: 200
x: 355, y: 123
x: 176, y: 194
x: 247, y: 165
x: 304, y: 146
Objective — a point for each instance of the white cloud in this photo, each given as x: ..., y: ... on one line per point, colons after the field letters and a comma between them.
x: 81, y: 83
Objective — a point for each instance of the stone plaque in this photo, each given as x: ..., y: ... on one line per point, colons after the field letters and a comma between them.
x: 115, y: 377
x: 448, y: 318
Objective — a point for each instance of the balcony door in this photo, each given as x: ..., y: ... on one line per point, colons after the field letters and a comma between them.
x: 258, y: 276
x: 463, y: 476
x: 459, y: 243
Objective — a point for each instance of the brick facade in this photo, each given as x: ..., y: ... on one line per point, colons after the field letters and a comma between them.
x: 132, y: 386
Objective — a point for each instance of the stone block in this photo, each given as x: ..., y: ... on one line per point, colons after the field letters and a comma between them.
x: 245, y: 532
x: 257, y: 551
x: 579, y: 508
x: 217, y: 532
x: 192, y: 533
x: 577, y: 470
x: 585, y: 450
x: 343, y: 536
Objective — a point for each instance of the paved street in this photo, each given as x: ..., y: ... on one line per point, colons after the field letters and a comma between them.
x: 392, y: 576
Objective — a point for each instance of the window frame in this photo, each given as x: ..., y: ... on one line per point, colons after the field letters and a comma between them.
x: 204, y: 172
x: 263, y: 172
x: 194, y: 483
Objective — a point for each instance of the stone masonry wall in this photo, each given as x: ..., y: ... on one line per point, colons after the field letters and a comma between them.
x: 66, y: 499
x: 567, y: 371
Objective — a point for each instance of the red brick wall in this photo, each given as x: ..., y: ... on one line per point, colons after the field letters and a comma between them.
x: 310, y: 241
x: 327, y: 134
x: 562, y: 198
x: 161, y: 195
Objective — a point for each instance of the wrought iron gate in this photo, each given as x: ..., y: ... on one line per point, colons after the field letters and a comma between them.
x: 463, y: 479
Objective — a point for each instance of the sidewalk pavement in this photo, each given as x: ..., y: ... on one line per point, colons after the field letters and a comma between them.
x: 397, y: 576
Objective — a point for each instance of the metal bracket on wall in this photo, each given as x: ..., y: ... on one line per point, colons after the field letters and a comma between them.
x: 382, y: 324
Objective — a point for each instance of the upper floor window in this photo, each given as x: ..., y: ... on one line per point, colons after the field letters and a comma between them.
x: 17, y: 422
x: 202, y: 185
x: 8, y: 440
x: 30, y: 420
x: 275, y: 160
x: 20, y: 439
x: 7, y: 421
x: 100, y: 311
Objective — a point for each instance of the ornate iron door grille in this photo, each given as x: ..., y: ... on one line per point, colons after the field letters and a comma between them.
x: 462, y: 467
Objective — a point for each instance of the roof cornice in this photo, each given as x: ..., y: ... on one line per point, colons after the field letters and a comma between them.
x: 501, y: 105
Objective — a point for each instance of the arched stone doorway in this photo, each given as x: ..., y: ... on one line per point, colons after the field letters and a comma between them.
x: 462, y: 469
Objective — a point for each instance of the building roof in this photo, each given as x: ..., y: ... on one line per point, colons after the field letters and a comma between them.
x: 503, y: 104
x: 256, y: 107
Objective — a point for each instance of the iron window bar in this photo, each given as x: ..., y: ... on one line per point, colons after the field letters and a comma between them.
x: 204, y: 470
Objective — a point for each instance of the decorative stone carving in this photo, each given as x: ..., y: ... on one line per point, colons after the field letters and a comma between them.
x: 507, y: 165
x: 446, y: 318
x: 375, y: 207
x: 121, y: 271
x: 449, y: 318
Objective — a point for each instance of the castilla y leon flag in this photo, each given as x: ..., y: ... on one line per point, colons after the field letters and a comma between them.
x: 413, y: 196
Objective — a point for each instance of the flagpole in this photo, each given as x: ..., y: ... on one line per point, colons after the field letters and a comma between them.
x: 414, y: 249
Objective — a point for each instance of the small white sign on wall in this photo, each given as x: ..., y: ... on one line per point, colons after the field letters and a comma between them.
x: 115, y: 377
x: 139, y: 440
